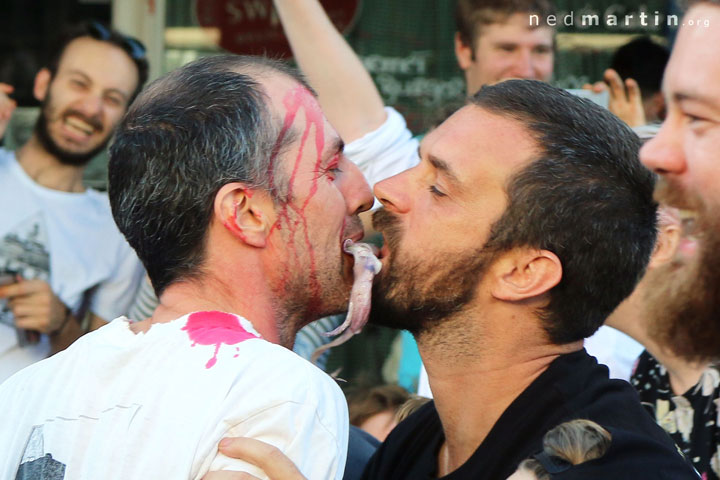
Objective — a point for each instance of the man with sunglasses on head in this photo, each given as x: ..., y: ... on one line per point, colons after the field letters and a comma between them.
x: 64, y: 267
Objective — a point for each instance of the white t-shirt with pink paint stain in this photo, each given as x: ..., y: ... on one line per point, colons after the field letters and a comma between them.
x: 120, y: 405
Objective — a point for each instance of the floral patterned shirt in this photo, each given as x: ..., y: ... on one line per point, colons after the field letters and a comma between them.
x: 691, y: 419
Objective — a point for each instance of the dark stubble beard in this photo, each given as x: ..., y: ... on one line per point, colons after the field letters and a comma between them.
x: 65, y: 157
x: 416, y: 295
x: 685, y: 310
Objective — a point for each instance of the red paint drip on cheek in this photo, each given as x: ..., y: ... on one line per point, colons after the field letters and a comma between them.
x: 215, y: 328
x: 295, y: 100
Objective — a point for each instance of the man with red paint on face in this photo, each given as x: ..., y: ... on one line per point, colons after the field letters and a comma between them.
x: 65, y: 268
x: 232, y: 187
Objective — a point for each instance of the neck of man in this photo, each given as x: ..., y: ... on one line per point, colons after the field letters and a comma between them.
x: 478, y: 363
x: 46, y: 170
x: 213, y: 293
x: 631, y: 318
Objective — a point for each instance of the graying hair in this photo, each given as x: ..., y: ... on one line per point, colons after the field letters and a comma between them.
x: 189, y: 133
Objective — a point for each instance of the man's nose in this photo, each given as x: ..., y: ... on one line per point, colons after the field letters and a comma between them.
x: 392, y: 193
x: 664, y: 154
x: 523, y: 65
x: 90, y: 105
x: 356, y: 190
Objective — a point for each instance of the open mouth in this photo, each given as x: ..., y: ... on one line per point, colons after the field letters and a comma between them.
x: 78, y: 126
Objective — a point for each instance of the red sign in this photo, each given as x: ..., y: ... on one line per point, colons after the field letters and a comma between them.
x: 252, y: 27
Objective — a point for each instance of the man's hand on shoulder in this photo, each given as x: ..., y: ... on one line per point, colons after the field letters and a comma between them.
x: 275, y: 464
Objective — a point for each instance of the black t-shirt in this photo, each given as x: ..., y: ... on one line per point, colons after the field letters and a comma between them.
x: 574, y: 386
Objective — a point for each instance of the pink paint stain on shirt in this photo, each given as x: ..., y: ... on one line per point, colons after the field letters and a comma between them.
x: 215, y: 328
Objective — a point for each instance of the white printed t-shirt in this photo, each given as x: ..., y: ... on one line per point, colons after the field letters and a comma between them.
x: 67, y: 239
x: 120, y: 405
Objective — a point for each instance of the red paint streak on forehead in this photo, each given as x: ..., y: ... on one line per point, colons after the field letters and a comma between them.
x: 296, y: 224
x: 215, y: 328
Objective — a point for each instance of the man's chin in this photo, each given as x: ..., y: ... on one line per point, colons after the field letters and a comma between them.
x: 687, y: 316
x: 71, y: 155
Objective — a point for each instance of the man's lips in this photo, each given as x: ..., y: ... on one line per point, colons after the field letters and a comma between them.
x: 78, y: 130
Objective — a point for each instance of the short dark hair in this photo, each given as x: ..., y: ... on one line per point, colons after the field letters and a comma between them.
x: 472, y: 15
x: 644, y: 61
x: 132, y: 46
x: 586, y: 197
x: 189, y: 133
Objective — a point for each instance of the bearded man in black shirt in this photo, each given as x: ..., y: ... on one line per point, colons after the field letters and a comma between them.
x: 528, y: 220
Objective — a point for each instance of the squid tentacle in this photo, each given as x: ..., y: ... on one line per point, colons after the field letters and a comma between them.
x: 366, y: 267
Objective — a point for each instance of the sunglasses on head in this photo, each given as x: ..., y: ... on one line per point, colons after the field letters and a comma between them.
x: 132, y: 46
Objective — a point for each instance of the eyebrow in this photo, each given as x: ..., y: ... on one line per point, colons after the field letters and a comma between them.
x: 444, y: 168
x: 87, y: 78
x: 695, y: 97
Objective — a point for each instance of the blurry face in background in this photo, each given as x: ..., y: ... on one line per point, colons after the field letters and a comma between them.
x: 85, y: 99
x: 507, y: 50
x: 685, y: 153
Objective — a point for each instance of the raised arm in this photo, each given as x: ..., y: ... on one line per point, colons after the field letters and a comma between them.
x: 345, y: 89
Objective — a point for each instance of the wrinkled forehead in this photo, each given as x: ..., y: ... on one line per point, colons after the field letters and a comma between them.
x: 302, y: 130
x: 479, y: 144
x: 288, y: 96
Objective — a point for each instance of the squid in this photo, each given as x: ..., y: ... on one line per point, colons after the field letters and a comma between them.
x: 366, y: 267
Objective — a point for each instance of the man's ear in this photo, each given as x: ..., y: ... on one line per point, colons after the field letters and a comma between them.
x: 245, y: 213
x: 523, y: 273
x: 463, y: 52
x: 667, y: 244
x: 42, y: 83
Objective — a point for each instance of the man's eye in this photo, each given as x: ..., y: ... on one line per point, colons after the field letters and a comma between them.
x: 332, y: 171
x: 694, y: 119
x: 436, y: 192
x: 114, y: 101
